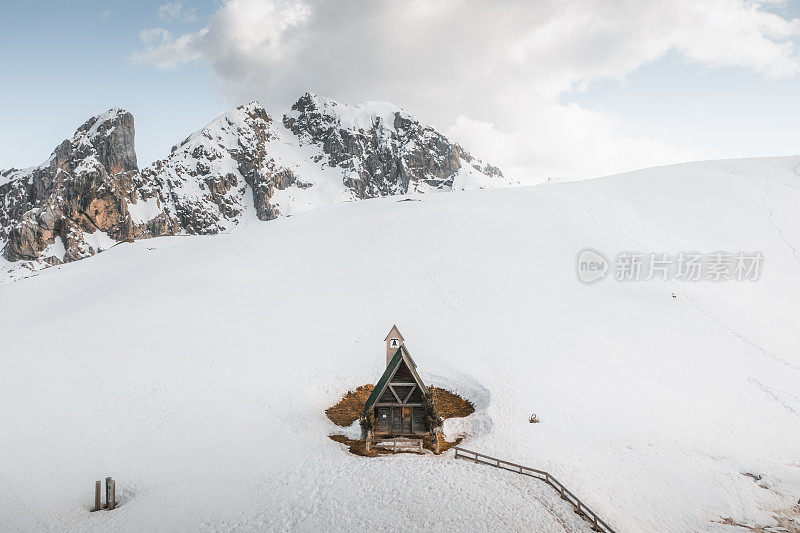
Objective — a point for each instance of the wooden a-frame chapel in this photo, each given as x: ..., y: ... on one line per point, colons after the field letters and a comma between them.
x: 399, y: 397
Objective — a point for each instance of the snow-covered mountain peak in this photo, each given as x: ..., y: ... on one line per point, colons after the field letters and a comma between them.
x: 363, y: 116
x: 99, y: 124
x: 108, y: 137
x: 210, y: 179
x: 96, y: 138
x: 384, y: 150
x: 227, y: 128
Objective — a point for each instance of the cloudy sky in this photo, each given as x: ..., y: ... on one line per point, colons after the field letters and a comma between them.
x: 545, y: 89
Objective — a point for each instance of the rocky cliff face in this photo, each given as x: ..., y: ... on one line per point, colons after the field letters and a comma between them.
x: 381, y: 149
x: 245, y: 165
x: 82, y: 189
x: 210, y: 179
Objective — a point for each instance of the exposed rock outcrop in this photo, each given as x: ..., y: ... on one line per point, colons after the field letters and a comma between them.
x: 382, y: 149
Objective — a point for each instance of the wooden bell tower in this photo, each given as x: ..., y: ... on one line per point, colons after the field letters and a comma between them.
x: 394, y: 340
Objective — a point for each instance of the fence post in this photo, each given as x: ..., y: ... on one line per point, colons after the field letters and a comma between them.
x: 108, y: 491
x: 366, y: 442
x: 97, y: 500
x: 112, y: 503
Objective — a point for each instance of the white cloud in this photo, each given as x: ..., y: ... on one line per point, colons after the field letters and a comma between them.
x: 492, y: 72
x: 154, y: 35
x: 566, y: 142
x: 175, y: 11
x: 104, y: 15
x: 166, y: 52
x: 241, y: 35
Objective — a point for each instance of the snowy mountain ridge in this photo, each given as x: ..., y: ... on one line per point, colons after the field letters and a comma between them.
x: 90, y: 193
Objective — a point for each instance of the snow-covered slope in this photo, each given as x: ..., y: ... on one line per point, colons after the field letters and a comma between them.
x: 243, y: 165
x: 197, y: 371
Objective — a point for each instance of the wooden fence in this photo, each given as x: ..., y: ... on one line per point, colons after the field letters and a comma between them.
x: 580, y: 507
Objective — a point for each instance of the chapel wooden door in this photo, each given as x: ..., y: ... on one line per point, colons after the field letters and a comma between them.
x: 397, y: 420
x: 406, y: 423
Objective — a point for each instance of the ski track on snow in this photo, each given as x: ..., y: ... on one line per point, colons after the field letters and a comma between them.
x: 741, y: 338
x: 591, y: 212
x: 774, y: 396
x: 771, y: 220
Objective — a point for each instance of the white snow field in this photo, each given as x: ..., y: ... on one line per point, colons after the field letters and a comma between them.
x: 196, y: 370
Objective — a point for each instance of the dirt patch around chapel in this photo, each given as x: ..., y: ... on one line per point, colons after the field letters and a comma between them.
x: 350, y: 408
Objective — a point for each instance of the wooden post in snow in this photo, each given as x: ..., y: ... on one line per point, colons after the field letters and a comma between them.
x: 112, y: 503
x: 98, y: 504
x: 108, y: 492
x: 366, y: 442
